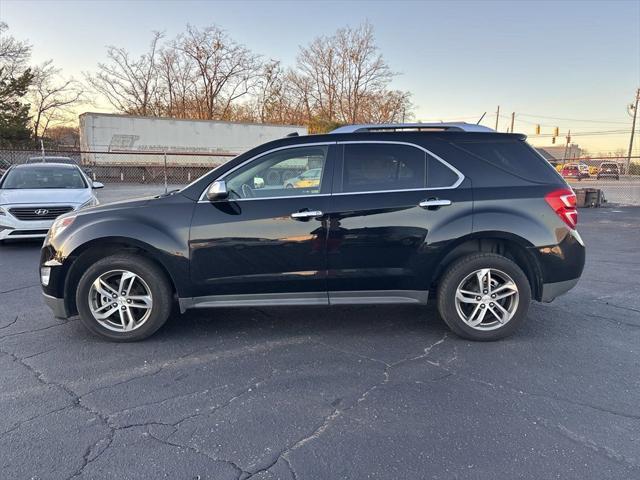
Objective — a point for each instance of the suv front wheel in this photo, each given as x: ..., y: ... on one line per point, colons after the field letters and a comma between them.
x: 484, y: 296
x: 124, y: 298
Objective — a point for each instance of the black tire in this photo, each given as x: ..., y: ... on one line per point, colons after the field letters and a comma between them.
x: 154, y: 277
x: 458, y: 271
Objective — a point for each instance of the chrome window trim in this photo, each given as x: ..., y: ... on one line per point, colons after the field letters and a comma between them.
x: 285, y: 147
x: 311, y: 195
x: 456, y: 184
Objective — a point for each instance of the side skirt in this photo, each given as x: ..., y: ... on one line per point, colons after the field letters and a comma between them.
x: 364, y: 297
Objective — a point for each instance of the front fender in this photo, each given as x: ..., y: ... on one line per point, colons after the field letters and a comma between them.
x: 161, y: 232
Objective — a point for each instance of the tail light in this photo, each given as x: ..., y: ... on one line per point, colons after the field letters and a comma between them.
x: 563, y: 202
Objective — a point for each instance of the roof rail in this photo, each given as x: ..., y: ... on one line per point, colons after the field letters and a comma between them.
x: 398, y: 127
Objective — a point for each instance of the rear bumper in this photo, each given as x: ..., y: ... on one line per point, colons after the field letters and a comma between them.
x: 552, y: 290
x: 56, y: 305
x: 561, y: 266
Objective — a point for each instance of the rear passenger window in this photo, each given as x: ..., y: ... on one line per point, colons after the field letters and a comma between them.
x: 379, y: 167
x: 439, y: 175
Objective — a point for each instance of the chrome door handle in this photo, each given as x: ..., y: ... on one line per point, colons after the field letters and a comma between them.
x: 306, y: 214
x: 434, y: 202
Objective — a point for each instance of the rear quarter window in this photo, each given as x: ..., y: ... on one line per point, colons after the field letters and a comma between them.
x: 514, y: 156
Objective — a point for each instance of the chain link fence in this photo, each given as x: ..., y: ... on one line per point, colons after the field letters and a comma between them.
x: 617, y: 178
x: 128, y: 174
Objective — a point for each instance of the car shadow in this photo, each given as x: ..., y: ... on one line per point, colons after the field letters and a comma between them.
x: 313, y: 320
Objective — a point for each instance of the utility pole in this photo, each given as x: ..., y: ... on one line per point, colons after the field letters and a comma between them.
x: 633, y: 130
x: 566, y: 147
x: 513, y: 119
x: 497, y: 117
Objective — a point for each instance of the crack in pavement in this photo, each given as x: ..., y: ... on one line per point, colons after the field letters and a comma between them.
x: 338, y: 412
x: 600, y: 449
x: 19, y: 288
x: 9, y: 335
x: 190, y: 358
x: 10, y: 323
x: 75, y: 399
x: 19, y: 424
x: 89, y: 455
x: 162, y: 402
x: 583, y: 441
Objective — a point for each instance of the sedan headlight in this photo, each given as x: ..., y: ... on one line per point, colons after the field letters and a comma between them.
x: 2, y: 212
x: 92, y: 202
x: 60, y: 225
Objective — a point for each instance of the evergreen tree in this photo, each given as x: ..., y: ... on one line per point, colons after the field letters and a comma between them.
x: 14, y: 112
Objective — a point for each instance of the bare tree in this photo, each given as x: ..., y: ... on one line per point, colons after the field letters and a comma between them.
x: 52, y: 98
x: 225, y: 71
x: 130, y: 85
x: 346, y: 79
x: 205, y: 74
x: 14, y: 54
x: 64, y: 136
x: 177, y: 93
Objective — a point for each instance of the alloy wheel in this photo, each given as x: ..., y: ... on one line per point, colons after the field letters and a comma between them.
x: 487, y: 299
x: 120, y: 300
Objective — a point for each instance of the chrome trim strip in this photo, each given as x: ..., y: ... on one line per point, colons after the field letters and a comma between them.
x: 459, y: 174
x: 376, y: 297
x: 254, y: 300
x: 444, y: 162
x: 313, y: 195
x: 286, y: 147
x: 364, y: 297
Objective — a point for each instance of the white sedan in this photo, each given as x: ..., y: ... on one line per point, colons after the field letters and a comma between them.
x: 32, y: 196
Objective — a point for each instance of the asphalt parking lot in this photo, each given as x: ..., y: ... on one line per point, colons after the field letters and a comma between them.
x: 331, y: 393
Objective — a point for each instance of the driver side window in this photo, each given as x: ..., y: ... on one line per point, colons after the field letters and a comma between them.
x: 292, y: 171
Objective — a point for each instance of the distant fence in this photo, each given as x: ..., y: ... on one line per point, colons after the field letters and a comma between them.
x: 180, y: 168
x: 128, y: 166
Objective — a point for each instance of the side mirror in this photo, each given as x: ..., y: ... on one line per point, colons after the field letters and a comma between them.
x: 97, y: 185
x: 217, y: 191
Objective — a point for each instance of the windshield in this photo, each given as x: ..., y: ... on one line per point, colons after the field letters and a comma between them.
x: 43, y: 177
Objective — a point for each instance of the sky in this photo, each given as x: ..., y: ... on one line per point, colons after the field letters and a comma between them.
x: 576, y: 61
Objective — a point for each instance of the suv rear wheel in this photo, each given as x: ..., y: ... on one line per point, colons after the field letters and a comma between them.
x: 484, y: 297
x: 124, y: 298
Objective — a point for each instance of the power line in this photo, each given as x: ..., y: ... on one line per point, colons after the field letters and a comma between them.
x: 573, y: 119
x: 583, y: 134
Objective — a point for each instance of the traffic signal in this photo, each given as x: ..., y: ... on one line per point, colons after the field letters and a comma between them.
x: 556, y: 131
x: 537, y: 129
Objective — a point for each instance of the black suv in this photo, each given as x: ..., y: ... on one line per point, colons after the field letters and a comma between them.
x: 398, y: 214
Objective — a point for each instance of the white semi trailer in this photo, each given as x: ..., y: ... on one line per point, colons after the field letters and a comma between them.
x: 111, y: 139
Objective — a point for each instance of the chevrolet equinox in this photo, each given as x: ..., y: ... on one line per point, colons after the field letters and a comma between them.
x: 396, y: 214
